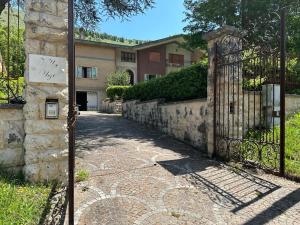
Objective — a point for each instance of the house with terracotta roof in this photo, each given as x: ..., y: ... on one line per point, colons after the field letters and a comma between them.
x: 95, y: 60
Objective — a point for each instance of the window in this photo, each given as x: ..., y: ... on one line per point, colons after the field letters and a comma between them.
x: 151, y: 76
x: 154, y: 57
x: 176, y: 59
x: 127, y: 57
x: 86, y: 72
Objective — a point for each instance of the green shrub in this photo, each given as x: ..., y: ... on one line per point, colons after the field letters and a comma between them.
x: 116, y: 92
x: 118, y: 78
x: 189, y: 83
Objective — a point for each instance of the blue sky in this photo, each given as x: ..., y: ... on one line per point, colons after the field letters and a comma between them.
x: 162, y: 21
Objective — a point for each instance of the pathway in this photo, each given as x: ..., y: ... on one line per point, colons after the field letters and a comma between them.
x: 139, y: 176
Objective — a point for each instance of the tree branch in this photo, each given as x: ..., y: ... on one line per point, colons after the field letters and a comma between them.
x: 2, y: 5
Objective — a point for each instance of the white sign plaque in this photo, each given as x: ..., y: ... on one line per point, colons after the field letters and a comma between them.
x: 47, y: 69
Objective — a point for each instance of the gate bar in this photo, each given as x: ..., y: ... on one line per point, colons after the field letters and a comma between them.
x: 282, y: 88
x: 215, y: 100
x: 71, y: 114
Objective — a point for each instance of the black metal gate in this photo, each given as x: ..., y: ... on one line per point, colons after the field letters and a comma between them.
x: 249, y: 102
x: 72, y: 112
x: 12, y: 53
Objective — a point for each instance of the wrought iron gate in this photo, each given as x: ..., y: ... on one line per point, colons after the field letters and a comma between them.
x: 249, y: 102
x: 12, y: 53
x: 72, y: 109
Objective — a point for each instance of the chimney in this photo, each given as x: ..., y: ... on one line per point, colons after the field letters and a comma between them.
x: 81, y: 33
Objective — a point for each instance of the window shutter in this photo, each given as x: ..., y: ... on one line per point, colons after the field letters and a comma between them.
x: 94, y: 72
x: 154, y: 57
x: 176, y: 59
x: 79, y: 72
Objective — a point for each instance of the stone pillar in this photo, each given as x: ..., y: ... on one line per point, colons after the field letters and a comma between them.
x: 213, y: 38
x: 46, y: 141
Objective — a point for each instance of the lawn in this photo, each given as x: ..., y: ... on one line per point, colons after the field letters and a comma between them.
x: 292, y: 144
x: 21, y: 203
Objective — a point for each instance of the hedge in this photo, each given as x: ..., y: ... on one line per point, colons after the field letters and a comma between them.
x: 116, y: 92
x: 189, y: 83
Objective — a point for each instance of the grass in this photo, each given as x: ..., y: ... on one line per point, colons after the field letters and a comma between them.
x: 292, y: 143
x: 81, y: 175
x: 292, y: 146
x: 21, y: 202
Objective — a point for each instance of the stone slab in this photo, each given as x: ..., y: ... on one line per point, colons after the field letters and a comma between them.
x: 47, y: 69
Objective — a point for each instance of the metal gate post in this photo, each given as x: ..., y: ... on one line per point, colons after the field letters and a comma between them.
x: 282, y: 89
x: 215, y: 100
x: 71, y: 115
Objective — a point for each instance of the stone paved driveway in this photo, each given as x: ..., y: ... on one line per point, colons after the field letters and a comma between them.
x: 139, y: 176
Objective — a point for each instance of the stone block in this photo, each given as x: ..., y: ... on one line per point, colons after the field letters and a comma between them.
x: 46, y: 6
x: 46, y: 156
x: 11, y: 114
x: 13, y: 134
x: 11, y: 157
x: 43, y: 142
x: 33, y: 46
x: 62, y: 9
x: 45, y: 20
x: 45, y: 33
x: 39, y: 172
x: 45, y: 126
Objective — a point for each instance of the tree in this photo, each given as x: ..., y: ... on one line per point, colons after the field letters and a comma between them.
x: 118, y: 78
x: 88, y: 13
x: 259, y: 18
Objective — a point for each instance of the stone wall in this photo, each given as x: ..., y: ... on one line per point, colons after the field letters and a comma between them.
x: 111, y: 107
x: 11, y: 137
x: 189, y: 120
x: 185, y: 120
x: 292, y: 104
x: 46, y: 141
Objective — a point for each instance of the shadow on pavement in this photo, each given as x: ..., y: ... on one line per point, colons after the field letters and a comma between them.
x: 227, y: 186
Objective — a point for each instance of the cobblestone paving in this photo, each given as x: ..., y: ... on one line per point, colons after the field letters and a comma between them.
x: 139, y: 176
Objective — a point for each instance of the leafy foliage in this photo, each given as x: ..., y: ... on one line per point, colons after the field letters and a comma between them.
x: 16, y: 87
x: 189, y: 83
x: 116, y: 92
x: 259, y: 18
x: 89, y: 13
x: 12, y: 55
x: 96, y: 36
x: 119, y: 78
x: 16, y: 57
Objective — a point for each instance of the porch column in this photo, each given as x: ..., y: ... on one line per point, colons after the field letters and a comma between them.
x: 46, y: 141
x: 213, y: 38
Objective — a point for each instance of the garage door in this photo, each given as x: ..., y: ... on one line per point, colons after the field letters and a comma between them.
x: 92, y: 101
